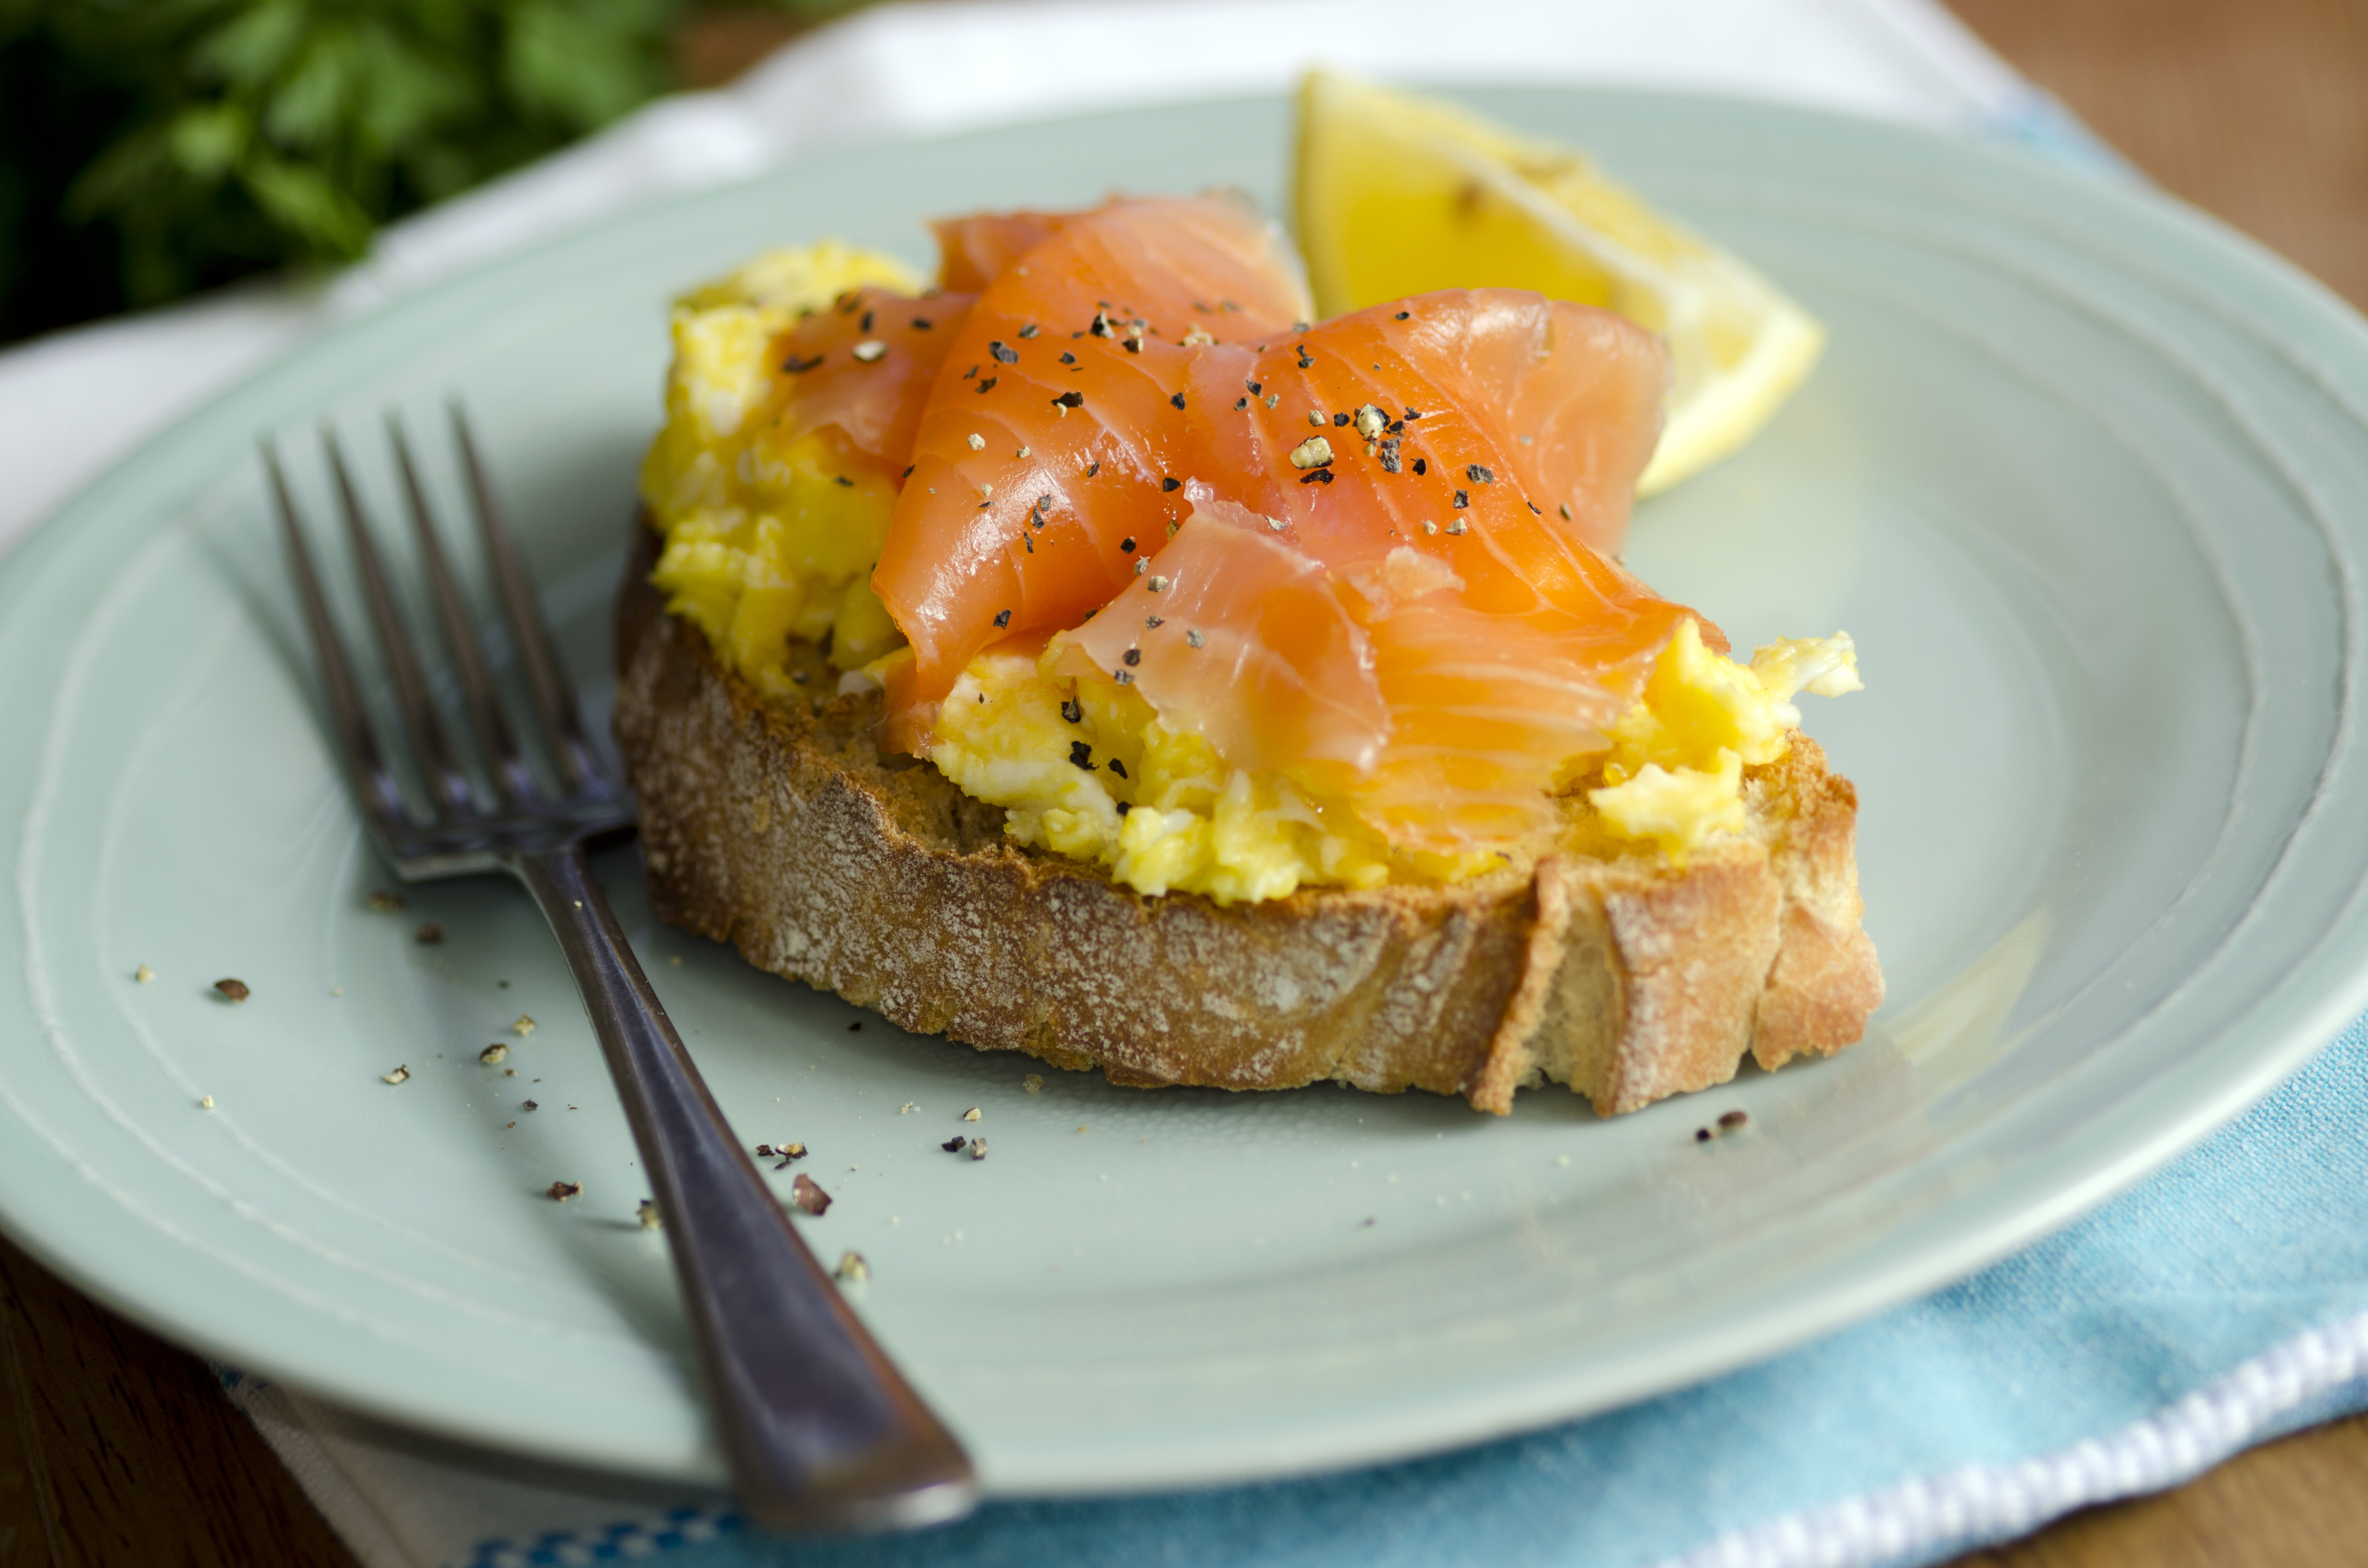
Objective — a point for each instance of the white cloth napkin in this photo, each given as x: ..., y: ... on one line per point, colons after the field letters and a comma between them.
x: 71, y: 403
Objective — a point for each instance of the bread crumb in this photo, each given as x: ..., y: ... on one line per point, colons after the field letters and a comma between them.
x: 978, y: 1148
x: 904, y: 1110
x: 400, y: 1076
x: 561, y: 1191
x: 493, y: 1054
x: 1081, y: 1127
x: 971, y: 1115
x: 525, y: 1026
x: 143, y: 974
x: 647, y: 1214
x: 1033, y: 1082
x: 384, y: 903
x: 235, y: 989
x: 808, y: 1197
x: 205, y: 1102
x: 852, y: 1269
x: 429, y: 935
x: 1729, y: 1121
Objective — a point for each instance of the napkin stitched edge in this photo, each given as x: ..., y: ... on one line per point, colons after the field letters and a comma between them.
x: 1924, y: 1517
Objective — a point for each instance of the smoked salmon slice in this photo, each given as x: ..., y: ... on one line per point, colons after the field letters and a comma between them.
x: 1375, y: 551
x: 1054, y: 449
x: 973, y: 251
x: 866, y: 366
x: 1493, y: 643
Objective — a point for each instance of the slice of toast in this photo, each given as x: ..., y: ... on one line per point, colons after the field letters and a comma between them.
x: 784, y: 830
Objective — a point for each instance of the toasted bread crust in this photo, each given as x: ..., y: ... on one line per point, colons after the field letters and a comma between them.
x: 785, y: 830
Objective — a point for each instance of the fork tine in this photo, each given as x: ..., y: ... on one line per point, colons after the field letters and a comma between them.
x: 511, y: 775
x: 380, y: 795
x: 555, y: 698
x: 452, y: 794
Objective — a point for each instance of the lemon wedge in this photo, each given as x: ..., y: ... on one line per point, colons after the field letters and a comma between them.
x: 1396, y: 194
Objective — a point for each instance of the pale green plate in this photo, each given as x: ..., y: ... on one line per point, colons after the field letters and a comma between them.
x: 2085, y: 475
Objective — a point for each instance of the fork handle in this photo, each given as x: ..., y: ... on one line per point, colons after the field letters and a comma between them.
x: 818, y: 1428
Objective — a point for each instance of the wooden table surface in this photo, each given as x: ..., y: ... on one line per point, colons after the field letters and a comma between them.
x: 116, y: 1447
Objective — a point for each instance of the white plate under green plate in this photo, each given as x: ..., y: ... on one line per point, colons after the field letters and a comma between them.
x: 2087, y: 477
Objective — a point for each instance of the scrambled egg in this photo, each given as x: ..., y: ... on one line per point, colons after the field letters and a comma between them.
x: 767, y: 538
x: 1675, y: 775
x: 1090, y: 771
x: 1116, y: 786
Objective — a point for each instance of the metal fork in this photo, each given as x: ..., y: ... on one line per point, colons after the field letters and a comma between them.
x: 819, y: 1428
